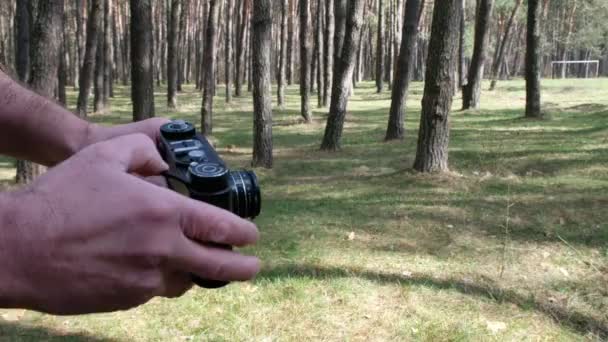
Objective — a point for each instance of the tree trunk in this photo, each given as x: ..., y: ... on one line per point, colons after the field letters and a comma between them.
x: 462, y: 63
x: 26, y: 171
x: 240, y: 47
x: 568, y: 33
x: 343, y: 75
x: 472, y: 91
x: 107, y: 73
x: 209, y: 60
x: 388, y: 38
x: 380, y: 49
x: 88, y: 65
x: 142, y: 64
x: 305, y: 59
x: 262, y: 96
x: 181, y: 44
x: 328, y: 60
x: 319, y: 54
x: 314, y: 46
x: 62, y: 70
x: 282, y: 55
x: 433, y: 137
x: 248, y: 54
x: 98, y: 103
x: 533, y: 56
x: 80, y: 38
x: 403, y: 74
x: 340, y: 9
x: 228, y: 52
x: 22, y: 43
x: 498, y: 62
x: 290, y: 42
x: 172, y: 30
x: 45, y: 53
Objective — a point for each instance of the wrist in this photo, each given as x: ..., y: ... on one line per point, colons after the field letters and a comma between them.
x: 15, y: 291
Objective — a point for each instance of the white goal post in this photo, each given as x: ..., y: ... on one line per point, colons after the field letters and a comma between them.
x: 565, y: 65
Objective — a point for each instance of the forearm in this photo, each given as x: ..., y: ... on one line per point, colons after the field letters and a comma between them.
x: 35, y: 128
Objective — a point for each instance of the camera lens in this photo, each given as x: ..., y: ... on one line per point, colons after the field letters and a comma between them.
x: 246, y: 199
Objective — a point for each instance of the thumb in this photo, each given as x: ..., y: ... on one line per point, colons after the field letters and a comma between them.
x: 134, y: 153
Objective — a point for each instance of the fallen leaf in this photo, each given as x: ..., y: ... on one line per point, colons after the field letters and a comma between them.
x: 496, y: 327
x: 564, y: 272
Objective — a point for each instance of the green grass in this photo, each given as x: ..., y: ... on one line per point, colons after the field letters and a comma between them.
x: 356, y: 246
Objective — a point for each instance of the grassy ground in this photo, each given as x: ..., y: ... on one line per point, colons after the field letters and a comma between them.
x: 511, y: 245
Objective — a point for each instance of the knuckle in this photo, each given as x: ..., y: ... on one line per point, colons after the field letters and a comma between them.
x: 218, y: 271
x: 220, y: 232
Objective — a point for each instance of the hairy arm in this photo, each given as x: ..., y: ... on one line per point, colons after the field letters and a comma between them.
x: 38, y: 129
x: 35, y: 128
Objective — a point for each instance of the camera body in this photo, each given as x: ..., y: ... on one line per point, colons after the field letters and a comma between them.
x: 197, y: 171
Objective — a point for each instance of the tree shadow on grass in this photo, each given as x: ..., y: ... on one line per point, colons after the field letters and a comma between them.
x: 571, y: 318
x: 10, y: 331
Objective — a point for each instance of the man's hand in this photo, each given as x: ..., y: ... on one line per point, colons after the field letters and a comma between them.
x: 150, y: 127
x: 92, y: 236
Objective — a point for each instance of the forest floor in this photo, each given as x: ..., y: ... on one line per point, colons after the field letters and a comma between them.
x: 511, y: 245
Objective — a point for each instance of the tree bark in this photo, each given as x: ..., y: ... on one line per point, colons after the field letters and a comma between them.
x: 240, y: 47
x: 88, y: 65
x: 498, y: 62
x: 209, y: 60
x: 343, y: 75
x: 228, y: 51
x: 319, y: 54
x: 328, y: 57
x: 26, y: 171
x: 305, y: 54
x: 403, y: 74
x: 22, y: 43
x: 262, y: 98
x: 45, y: 52
x: 282, y: 55
x: 181, y: 43
x: 172, y: 39
x: 98, y: 102
x: 80, y: 38
x: 433, y: 137
x: 472, y: 91
x: 388, y: 38
x: 290, y: 41
x: 533, y: 57
x: 62, y: 70
x: 340, y: 10
x: 107, y: 41
x: 462, y: 64
x: 380, y: 49
x: 142, y: 64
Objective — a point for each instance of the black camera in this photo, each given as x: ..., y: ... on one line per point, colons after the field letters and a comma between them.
x: 197, y: 171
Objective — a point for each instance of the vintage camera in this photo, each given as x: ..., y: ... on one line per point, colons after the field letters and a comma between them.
x: 197, y: 171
